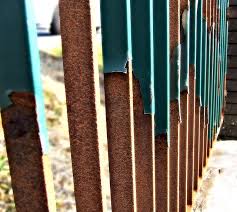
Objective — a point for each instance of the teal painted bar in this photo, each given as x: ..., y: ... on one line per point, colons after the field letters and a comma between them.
x: 175, y: 74
x: 20, y: 64
x: 116, y: 50
x: 142, y: 49
x: 211, y: 64
x: 193, y: 33
x: 208, y: 72
x: 127, y: 34
x: 199, y: 51
x: 161, y: 66
x: 184, y: 69
x: 204, y: 82
x: 216, y: 74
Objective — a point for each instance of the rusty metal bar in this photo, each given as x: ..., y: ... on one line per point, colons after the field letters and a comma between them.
x: 118, y: 98
x: 184, y: 105
x: 25, y: 155
x: 144, y: 153
x: 192, y: 100
x: 83, y: 101
x: 175, y: 59
x: 161, y: 173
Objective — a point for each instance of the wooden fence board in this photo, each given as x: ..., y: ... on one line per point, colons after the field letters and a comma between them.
x: 232, y: 86
x: 232, y: 25
x: 231, y: 74
x: 233, y: 2
x: 231, y: 97
x: 231, y: 109
x: 232, y: 62
x: 232, y: 12
x: 232, y: 50
x: 232, y: 37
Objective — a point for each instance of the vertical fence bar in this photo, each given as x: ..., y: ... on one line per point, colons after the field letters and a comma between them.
x: 204, y: 88
x: 162, y: 101
x: 22, y: 109
x: 143, y: 69
x: 117, y: 55
x: 192, y: 98
x: 175, y: 59
x: 184, y: 102
x: 196, y: 144
x: 83, y: 101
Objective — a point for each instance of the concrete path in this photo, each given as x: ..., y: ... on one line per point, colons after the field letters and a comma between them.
x: 218, y: 191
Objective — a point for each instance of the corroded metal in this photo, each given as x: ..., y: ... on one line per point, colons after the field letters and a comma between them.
x: 25, y: 155
x: 83, y: 101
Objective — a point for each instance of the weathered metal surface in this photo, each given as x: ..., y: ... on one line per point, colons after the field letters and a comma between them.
x: 174, y: 105
x: 174, y: 157
x: 144, y: 152
x: 25, y: 154
x: 183, y: 151
x: 202, y: 143
x: 162, y: 173
x: 191, y: 134
x: 120, y: 133
x: 196, y: 144
x: 83, y: 100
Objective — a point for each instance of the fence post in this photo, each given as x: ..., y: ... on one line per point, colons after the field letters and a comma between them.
x: 22, y: 109
x: 192, y: 100
x: 175, y: 59
x: 83, y: 101
x: 162, y: 102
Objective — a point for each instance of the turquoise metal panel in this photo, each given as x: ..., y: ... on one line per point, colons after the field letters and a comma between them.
x: 184, y: 69
x: 142, y: 49
x: 199, y: 50
x: 127, y: 34
x: 204, y: 82
x: 193, y: 32
x: 175, y: 74
x: 19, y: 63
x: 115, y: 42
x: 161, y: 66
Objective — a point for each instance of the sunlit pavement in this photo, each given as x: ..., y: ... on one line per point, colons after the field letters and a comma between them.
x: 218, y: 192
x: 47, y: 42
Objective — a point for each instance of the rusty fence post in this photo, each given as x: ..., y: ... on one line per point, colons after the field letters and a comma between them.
x: 184, y: 103
x: 22, y: 109
x: 83, y: 101
x: 175, y: 58
x: 192, y: 101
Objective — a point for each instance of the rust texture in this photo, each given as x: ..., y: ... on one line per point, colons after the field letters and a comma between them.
x: 24, y: 153
x: 191, y: 133
x: 196, y: 144
x: 83, y: 101
x: 120, y: 134
x: 174, y: 113
x: 161, y: 171
x: 174, y: 157
x: 144, y: 152
x: 201, y: 146
x: 183, y: 151
x: 205, y: 137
